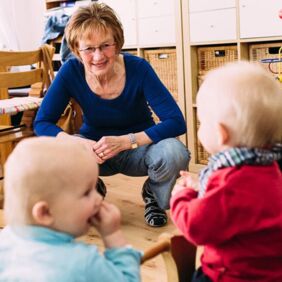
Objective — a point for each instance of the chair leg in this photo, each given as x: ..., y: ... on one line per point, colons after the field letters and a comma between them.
x: 1, y: 194
x: 5, y: 150
x: 184, y: 254
x: 1, y: 186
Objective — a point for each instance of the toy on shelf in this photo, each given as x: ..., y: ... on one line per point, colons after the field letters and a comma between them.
x: 278, y: 61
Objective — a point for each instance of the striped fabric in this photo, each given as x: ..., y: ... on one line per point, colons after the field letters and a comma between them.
x: 19, y: 104
x: 238, y: 156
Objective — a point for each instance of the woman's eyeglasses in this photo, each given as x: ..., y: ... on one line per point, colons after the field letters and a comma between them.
x: 105, y: 48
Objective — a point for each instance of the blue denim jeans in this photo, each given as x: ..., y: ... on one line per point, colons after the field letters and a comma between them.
x: 199, y: 276
x: 161, y: 162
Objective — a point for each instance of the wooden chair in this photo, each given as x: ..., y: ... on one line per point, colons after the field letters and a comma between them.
x: 178, y: 254
x: 72, y: 118
x: 37, y: 79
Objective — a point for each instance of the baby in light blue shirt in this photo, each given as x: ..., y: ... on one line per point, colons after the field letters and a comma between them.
x: 50, y: 200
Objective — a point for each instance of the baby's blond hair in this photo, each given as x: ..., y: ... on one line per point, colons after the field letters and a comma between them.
x: 37, y: 170
x: 247, y: 100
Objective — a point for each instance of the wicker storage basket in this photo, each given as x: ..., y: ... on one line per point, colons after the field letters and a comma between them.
x: 259, y: 52
x: 200, y: 80
x: 164, y: 63
x: 202, y: 154
x: 131, y: 51
x: 212, y: 57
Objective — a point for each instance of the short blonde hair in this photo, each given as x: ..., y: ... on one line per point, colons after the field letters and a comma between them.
x: 89, y: 19
x: 247, y: 100
x: 37, y: 170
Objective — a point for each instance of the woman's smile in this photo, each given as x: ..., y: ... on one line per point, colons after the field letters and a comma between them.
x: 100, y: 64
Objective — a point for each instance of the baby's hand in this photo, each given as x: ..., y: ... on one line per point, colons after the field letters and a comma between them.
x: 186, y: 181
x: 107, y: 222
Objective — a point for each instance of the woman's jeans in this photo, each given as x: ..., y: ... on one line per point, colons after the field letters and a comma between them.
x: 161, y: 162
x: 199, y: 276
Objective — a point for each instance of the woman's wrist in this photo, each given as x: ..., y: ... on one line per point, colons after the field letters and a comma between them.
x: 125, y: 141
x: 135, y: 140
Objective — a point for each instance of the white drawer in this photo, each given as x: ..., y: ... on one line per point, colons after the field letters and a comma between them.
x: 126, y: 10
x: 154, y: 31
x: 260, y: 18
x: 206, y: 5
x: 213, y: 25
x: 155, y: 8
x: 130, y: 32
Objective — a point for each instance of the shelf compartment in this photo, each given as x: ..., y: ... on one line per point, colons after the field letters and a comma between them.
x: 201, y: 78
x: 258, y: 52
x: 215, y: 56
x: 202, y: 154
x: 164, y: 63
x: 131, y: 51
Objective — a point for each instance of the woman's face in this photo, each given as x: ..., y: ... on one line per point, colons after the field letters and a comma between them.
x: 98, y: 53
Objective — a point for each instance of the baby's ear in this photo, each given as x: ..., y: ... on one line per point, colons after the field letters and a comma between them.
x: 41, y: 214
x: 223, y: 135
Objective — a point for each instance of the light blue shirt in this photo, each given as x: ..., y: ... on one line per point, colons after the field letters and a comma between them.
x: 39, y: 254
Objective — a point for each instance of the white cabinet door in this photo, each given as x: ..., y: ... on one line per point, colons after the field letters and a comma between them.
x: 156, y: 31
x: 146, y: 23
x: 126, y: 10
x: 156, y: 22
x: 213, y: 25
x: 130, y: 32
x: 206, y: 5
x: 155, y: 8
x: 259, y: 18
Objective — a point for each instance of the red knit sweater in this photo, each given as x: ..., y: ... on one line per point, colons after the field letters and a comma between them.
x: 239, y: 222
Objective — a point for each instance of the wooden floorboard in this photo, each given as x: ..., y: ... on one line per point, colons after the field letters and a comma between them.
x: 125, y: 192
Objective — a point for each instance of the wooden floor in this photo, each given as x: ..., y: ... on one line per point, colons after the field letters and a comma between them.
x: 125, y: 192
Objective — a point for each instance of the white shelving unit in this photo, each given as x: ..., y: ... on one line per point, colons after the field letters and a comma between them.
x: 215, y: 32
x: 153, y: 29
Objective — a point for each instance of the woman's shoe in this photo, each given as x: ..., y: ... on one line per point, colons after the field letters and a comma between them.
x: 154, y: 215
x: 101, y: 187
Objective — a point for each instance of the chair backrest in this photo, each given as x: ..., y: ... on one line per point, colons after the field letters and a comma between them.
x: 38, y: 78
x: 179, y: 256
x: 43, y: 72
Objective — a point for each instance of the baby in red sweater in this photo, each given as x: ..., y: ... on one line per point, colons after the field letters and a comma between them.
x: 235, y: 211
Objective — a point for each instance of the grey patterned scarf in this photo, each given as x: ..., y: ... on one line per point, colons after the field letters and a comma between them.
x: 235, y: 157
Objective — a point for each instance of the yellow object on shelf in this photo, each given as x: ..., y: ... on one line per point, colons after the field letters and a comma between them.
x: 279, y: 77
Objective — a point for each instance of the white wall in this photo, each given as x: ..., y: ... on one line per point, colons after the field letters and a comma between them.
x: 21, y: 24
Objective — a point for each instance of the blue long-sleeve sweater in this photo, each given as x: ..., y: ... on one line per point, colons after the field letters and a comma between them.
x: 127, y: 113
x: 34, y: 253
